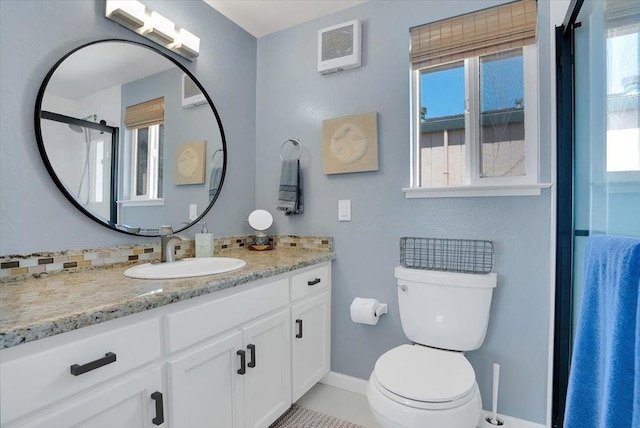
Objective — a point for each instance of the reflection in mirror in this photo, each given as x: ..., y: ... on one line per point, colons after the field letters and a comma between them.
x: 125, y: 135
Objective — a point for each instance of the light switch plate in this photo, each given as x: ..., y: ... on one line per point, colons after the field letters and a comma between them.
x: 344, y: 210
x: 193, y: 211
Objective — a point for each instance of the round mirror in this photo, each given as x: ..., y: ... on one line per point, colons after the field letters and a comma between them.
x: 260, y: 220
x: 130, y: 137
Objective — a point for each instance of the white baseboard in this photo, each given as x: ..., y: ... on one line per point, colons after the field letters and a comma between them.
x: 348, y: 383
x: 359, y: 386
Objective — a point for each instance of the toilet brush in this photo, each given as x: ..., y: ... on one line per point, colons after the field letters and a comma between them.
x: 493, y: 419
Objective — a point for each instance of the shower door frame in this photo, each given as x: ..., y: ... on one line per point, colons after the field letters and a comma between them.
x: 565, y: 117
x: 113, y: 184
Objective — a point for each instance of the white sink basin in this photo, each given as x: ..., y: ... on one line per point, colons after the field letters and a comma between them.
x: 185, y: 268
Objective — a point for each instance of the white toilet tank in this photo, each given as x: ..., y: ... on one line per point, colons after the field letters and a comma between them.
x: 445, y: 310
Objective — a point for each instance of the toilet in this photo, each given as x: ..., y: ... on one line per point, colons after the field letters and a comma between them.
x: 430, y: 383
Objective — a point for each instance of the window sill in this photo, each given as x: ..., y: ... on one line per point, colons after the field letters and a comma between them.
x: 141, y: 202
x: 475, y: 191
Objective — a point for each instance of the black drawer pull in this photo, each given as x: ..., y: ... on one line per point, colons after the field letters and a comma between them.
x: 243, y: 368
x: 108, y: 358
x: 314, y: 282
x: 159, y: 419
x: 252, y: 362
x: 299, y: 334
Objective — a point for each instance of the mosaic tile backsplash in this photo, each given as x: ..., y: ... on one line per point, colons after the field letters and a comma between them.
x: 16, y: 267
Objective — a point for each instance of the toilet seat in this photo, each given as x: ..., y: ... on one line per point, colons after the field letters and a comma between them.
x: 426, y: 378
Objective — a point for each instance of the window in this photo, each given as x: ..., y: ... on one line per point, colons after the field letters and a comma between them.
x: 474, y: 99
x: 623, y: 95
x: 146, y: 162
x: 144, y: 136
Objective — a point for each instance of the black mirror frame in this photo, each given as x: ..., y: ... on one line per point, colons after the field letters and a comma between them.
x: 51, y: 171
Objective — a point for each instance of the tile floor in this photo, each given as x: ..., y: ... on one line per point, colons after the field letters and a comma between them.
x: 346, y: 405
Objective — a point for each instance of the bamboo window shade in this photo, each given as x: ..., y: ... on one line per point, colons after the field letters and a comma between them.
x: 145, y: 114
x: 488, y: 31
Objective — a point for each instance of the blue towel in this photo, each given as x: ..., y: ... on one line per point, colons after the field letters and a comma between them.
x: 290, y: 198
x: 214, y: 181
x: 604, y: 381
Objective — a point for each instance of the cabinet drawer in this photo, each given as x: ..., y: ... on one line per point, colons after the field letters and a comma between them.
x: 210, y: 319
x: 309, y: 282
x: 39, y: 379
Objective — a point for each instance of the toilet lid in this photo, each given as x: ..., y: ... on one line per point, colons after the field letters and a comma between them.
x: 425, y: 374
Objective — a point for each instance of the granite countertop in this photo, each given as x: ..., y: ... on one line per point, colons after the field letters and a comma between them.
x: 40, y: 307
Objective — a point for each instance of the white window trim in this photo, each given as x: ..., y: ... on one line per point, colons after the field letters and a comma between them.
x: 527, y: 185
x: 152, y: 168
x: 475, y: 191
x: 140, y: 202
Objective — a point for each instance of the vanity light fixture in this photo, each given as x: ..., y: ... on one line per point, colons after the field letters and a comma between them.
x: 135, y: 16
x: 160, y: 29
x: 129, y: 13
x: 186, y: 44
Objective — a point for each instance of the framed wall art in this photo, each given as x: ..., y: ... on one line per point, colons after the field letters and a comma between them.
x: 190, y: 163
x: 350, y: 144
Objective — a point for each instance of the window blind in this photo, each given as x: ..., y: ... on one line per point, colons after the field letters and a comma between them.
x: 500, y: 28
x: 145, y: 114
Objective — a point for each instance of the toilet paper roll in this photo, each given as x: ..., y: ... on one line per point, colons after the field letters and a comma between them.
x: 363, y: 311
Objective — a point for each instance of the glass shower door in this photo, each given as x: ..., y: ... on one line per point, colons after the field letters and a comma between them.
x: 607, y: 126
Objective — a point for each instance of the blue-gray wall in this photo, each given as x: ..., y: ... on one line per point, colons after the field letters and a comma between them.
x: 267, y: 92
x: 34, y: 216
x: 292, y: 101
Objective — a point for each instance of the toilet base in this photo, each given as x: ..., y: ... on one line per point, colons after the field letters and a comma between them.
x: 391, y: 414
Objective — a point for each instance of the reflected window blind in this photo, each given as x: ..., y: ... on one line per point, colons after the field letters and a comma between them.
x: 145, y: 114
x: 500, y: 28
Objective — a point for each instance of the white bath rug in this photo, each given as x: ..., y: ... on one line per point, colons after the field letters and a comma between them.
x: 300, y: 417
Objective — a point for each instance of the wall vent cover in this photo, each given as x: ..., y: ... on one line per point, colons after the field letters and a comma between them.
x: 339, y: 47
x: 191, y: 95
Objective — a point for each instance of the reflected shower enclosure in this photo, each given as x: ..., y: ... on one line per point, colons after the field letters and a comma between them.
x: 82, y: 151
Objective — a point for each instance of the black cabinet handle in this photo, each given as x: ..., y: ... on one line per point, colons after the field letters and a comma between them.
x: 77, y: 369
x: 299, y: 334
x: 314, y: 282
x: 159, y: 419
x: 252, y: 348
x: 243, y: 369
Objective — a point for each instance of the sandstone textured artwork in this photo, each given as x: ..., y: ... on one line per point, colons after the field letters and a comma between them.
x: 350, y: 144
x: 190, y: 163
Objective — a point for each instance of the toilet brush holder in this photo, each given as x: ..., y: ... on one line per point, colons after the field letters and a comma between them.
x: 492, y: 419
x: 488, y: 422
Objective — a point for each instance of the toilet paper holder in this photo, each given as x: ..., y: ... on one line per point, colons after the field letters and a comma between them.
x: 383, y: 308
x: 367, y: 311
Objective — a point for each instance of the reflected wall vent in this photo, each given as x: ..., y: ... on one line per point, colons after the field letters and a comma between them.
x: 191, y: 95
x: 339, y: 47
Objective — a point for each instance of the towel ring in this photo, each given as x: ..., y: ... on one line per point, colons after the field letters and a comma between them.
x: 213, y: 156
x: 295, y: 142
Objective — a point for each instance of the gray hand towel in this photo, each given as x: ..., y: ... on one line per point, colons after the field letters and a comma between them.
x: 214, y: 181
x: 290, y: 198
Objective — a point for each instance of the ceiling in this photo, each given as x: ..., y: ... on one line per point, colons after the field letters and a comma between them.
x: 262, y: 17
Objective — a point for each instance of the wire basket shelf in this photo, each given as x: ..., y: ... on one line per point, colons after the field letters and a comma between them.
x: 452, y: 255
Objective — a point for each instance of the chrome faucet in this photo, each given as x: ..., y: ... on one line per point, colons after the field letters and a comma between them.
x: 168, y: 243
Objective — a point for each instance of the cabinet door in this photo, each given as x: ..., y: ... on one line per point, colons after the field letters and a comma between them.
x: 311, y: 346
x: 206, y: 389
x: 267, y: 383
x: 126, y: 404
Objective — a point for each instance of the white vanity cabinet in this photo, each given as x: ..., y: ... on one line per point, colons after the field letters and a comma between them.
x: 206, y: 388
x: 229, y: 359
x: 311, y: 324
x: 133, y: 403
x: 73, y: 374
x: 240, y: 380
